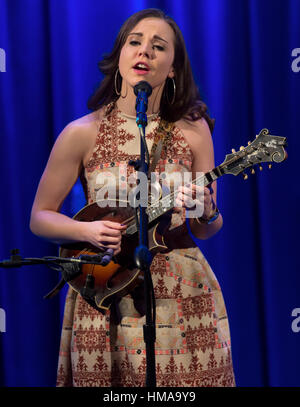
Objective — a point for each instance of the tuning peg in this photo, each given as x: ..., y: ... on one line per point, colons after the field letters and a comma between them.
x: 260, y: 168
x: 252, y: 171
x: 245, y: 176
x: 270, y: 166
x: 233, y: 150
x: 242, y: 148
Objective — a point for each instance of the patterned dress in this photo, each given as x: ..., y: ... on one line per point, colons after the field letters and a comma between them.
x: 192, y: 334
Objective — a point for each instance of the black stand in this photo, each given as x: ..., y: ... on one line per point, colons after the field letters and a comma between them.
x: 143, y: 257
x: 69, y: 267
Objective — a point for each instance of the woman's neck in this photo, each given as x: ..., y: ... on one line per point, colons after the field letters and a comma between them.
x: 127, y: 100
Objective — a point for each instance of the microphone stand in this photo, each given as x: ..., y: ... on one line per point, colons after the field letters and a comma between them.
x: 69, y: 267
x: 143, y: 257
x: 17, y: 261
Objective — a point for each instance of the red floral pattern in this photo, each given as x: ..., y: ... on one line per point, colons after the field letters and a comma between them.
x: 193, y: 341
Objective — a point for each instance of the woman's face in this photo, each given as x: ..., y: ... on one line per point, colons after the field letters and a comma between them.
x: 148, y: 53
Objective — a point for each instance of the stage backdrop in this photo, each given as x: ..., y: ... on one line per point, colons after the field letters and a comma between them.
x: 245, y: 58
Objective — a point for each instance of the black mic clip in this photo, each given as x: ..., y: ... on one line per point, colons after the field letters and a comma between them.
x: 14, y: 261
x: 70, y: 271
x: 102, y: 259
x: 88, y: 290
x: 136, y: 164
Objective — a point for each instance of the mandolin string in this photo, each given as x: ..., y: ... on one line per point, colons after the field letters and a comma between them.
x: 196, y: 181
x: 168, y: 197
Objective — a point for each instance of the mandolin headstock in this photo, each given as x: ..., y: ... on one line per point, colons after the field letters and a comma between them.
x: 264, y: 148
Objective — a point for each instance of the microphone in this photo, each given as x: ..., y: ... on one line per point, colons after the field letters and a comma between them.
x: 142, y: 90
x: 101, y: 259
x: 88, y: 291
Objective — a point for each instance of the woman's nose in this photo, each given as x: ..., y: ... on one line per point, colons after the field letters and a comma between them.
x: 146, y: 49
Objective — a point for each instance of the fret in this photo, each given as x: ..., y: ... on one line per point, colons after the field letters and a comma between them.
x: 265, y: 148
x: 168, y: 202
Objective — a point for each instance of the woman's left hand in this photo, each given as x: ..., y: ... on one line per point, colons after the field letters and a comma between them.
x: 196, y: 198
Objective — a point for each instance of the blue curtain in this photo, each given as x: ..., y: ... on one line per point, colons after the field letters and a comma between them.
x: 244, y: 58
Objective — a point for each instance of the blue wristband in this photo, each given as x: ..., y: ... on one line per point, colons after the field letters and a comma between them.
x: 209, y: 220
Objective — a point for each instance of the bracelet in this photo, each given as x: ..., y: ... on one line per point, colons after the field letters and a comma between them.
x: 210, y: 220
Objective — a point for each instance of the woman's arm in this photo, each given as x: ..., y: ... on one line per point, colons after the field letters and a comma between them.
x: 62, y: 170
x: 59, y: 176
x: 198, y: 137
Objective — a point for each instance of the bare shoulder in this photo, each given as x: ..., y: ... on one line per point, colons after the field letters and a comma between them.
x: 196, y: 133
x: 83, y: 127
x: 80, y: 135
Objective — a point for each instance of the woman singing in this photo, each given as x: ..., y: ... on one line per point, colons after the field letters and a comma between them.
x: 192, y: 345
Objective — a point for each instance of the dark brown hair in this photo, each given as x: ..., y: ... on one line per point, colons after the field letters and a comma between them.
x: 187, y: 103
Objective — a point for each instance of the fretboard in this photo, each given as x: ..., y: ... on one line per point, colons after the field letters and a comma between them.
x: 167, y: 202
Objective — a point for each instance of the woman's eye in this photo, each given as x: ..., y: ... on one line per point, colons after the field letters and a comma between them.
x: 159, y: 47
x: 134, y: 42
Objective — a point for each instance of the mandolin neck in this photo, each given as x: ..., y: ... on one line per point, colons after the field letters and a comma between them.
x: 165, y: 204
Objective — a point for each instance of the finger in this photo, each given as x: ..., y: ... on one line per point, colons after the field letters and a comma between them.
x: 185, y: 200
x: 199, y: 191
x: 109, y: 239
x: 117, y: 251
x: 114, y: 225
x: 188, y: 190
x: 193, y: 190
x: 185, y: 189
x: 208, y: 191
x: 211, y: 190
x: 109, y: 245
x: 199, y: 188
x: 178, y: 202
x: 181, y: 196
x: 110, y: 233
x: 179, y: 199
x: 176, y: 209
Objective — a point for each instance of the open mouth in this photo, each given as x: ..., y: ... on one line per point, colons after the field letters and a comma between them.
x: 141, y: 67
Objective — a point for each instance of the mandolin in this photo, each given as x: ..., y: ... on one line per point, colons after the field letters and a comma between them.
x: 121, y: 275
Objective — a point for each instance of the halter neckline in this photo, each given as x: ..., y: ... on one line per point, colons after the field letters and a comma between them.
x: 127, y: 116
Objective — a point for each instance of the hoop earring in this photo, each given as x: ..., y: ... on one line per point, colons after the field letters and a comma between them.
x: 125, y: 93
x: 174, y: 93
x: 116, y: 74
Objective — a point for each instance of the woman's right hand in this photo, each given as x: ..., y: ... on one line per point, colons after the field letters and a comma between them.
x: 104, y: 234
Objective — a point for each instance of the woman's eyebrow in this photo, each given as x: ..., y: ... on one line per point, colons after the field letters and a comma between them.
x: 156, y: 37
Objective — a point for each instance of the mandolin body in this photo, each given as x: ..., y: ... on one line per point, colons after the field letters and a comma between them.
x: 121, y: 275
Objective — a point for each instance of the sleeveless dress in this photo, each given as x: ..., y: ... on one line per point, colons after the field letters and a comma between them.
x: 192, y: 333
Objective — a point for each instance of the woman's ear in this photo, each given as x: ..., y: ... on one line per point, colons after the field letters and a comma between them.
x: 171, y: 73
